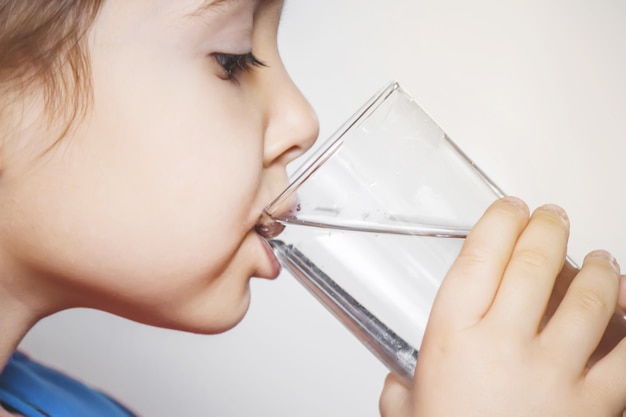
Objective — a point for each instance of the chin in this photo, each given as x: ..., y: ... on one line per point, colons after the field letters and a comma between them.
x: 217, y: 319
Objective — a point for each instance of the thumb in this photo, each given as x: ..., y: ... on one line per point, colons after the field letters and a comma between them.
x: 395, y: 399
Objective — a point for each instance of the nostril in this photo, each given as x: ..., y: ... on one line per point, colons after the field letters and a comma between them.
x: 294, y: 153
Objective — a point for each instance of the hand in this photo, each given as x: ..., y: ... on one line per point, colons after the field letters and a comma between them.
x: 489, y: 352
x: 616, y: 329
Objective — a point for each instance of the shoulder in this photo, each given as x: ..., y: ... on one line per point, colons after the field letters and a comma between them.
x: 33, y: 389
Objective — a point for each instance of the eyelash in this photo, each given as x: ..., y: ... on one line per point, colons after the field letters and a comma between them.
x: 234, y: 64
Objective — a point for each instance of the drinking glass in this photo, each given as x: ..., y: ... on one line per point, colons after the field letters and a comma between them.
x: 373, y: 220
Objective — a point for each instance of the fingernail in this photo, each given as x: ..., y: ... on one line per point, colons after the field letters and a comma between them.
x: 556, y: 210
x: 607, y: 256
x: 514, y: 201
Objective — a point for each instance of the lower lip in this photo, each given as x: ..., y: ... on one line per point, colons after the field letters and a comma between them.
x: 275, y: 265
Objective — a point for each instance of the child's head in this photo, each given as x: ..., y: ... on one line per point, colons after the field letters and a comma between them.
x: 139, y: 194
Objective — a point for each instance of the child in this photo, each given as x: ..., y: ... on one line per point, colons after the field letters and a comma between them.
x: 140, y: 141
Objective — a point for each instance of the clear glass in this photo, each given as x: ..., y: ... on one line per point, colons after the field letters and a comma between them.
x: 372, y: 221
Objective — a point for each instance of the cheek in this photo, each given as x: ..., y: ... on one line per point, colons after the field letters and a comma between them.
x: 196, y: 157
x: 186, y: 196
x: 147, y: 204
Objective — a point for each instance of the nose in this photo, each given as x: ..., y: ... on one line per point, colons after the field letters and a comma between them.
x: 291, y: 125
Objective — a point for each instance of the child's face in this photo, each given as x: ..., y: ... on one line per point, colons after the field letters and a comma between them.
x: 147, y: 209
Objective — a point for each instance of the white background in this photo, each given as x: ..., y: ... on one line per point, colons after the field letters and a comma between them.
x: 533, y: 91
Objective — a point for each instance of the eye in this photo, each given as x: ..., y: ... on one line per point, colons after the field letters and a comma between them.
x: 234, y: 64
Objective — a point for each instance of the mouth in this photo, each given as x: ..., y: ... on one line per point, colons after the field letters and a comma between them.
x: 270, y: 223
x: 267, y: 227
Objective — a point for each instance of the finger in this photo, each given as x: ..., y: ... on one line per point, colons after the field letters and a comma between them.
x: 621, y: 301
x: 562, y: 283
x: 608, y: 379
x: 614, y: 333
x: 474, y: 277
x: 395, y: 399
x: 577, y: 326
x: 530, y: 275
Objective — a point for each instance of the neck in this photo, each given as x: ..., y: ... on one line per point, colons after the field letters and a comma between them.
x: 26, y: 296
x: 16, y: 319
x: 20, y: 306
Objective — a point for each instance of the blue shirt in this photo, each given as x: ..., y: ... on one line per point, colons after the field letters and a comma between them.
x: 33, y: 390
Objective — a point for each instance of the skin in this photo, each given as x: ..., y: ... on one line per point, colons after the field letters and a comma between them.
x: 488, y: 351
x: 146, y: 210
